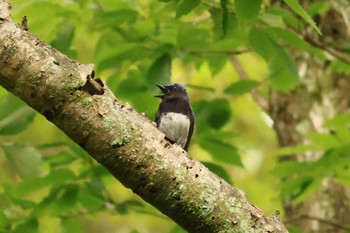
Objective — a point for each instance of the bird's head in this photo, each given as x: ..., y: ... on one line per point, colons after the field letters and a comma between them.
x: 172, y: 91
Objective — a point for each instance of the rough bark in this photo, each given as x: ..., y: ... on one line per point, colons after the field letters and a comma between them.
x: 119, y: 138
x: 320, y: 96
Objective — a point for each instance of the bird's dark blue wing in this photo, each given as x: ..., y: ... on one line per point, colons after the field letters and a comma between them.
x: 190, y: 132
x: 158, y: 117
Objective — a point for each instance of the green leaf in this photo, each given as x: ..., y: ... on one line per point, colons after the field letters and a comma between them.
x: 186, y: 6
x: 218, y: 170
x: 136, y: 91
x: 289, y: 168
x: 219, y: 113
x: 294, y: 40
x: 338, y: 122
x: 176, y: 229
x: 274, y: 20
x: 53, y: 145
x: 293, y: 229
x: 201, y: 88
x: 319, y: 7
x: 339, y: 126
x: 224, y: 16
x: 61, y: 159
x: 54, y: 178
x: 302, y: 13
x: 241, y: 87
x: 26, y: 160
x: 17, y: 121
x: 293, y: 188
x: 60, y: 201
x: 215, y: 113
x: 64, y: 39
x: 110, y: 56
x: 30, y: 226
x: 216, y: 63
x: 89, y: 201
x: 43, y: 26
x: 287, y: 17
x: 247, y: 9
x: 123, y: 208
x: 11, y: 103
x: 283, y: 71
x: 65, y: 201
x: 17, y: 116
x: 332, y: 162
x: 5, y: 223
x: 23, y: 203
x: 95, y: 187
x: 324, y: 140
x: 114, y: 18
x: 309, y: 189
x: 78, y: 151
x: 44, y: 207
x: 159, y: 72
x: 217, y: 144
x: 221, y: 151
x: 134, y: 231
x: 71, y: 224
x: 339, y: 66
x: 189, y: 38
x: 293, y: 150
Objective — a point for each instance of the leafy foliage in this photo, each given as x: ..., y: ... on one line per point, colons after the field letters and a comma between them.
x: 247, y: 11
x: 26, y: 160
x: 303, y: 14
x: 135, y: 44
x: 17, y: 116
x: 284, y: 74
x: 241, y: 87
x: 304, y: 177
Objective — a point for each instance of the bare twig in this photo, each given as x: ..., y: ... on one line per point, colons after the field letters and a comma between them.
x: 223, y: 52
x: 335, y: 52
x: 324, y: 221
x: 244, y: 76
x: 24, y: 23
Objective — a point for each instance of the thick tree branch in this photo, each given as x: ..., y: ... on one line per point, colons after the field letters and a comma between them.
x: 119, y: 138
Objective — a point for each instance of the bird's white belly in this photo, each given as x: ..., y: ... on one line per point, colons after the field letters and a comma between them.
x: 175, y: 126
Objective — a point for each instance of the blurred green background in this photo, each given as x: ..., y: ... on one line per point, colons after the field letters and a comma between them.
x: 48, y: 184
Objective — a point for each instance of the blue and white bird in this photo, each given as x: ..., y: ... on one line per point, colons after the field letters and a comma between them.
x: 175, y: 115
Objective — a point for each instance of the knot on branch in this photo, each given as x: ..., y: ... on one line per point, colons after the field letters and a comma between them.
x: 93, y: 86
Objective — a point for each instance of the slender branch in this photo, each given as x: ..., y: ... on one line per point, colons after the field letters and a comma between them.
x: 244, y: 76
x: 240, y: 70
x: 201, y: 52
x: 335, y: 52
x: 324, y: 221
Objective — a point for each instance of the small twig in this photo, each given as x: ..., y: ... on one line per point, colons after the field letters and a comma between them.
x: 24, y: 23
x: 238, y: 52
x: 244, y: 76
x: 335, y: 52
x: 307, y: 217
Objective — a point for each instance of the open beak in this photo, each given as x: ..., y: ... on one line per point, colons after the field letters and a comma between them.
x: 163, y: 89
